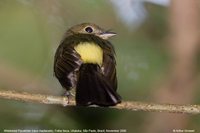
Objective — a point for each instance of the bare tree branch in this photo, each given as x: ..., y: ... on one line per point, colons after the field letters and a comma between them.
x: 35, y: 98
x: 126, y: 105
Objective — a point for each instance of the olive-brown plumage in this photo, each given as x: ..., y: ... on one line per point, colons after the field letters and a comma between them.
x: 85, y: 61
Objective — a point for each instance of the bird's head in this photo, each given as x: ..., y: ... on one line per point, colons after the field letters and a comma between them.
x: 89, y: 28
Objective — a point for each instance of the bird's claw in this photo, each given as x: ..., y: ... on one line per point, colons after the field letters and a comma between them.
x: 69, y: 95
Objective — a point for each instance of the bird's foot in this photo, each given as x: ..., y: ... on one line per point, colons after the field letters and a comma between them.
x: 69, y: 96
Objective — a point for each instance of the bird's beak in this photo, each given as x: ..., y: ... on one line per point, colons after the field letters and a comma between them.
x: 107, y: 34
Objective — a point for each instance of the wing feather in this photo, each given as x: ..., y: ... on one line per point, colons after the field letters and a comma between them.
x: 109, y: 65
x: 66, y: 65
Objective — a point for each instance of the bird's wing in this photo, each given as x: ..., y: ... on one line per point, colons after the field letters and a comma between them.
x: 66, y: 65
x: 109, y: 66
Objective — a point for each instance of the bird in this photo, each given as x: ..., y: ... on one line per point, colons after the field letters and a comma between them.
x: 85, y: 61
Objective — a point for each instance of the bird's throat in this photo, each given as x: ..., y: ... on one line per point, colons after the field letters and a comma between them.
x: 90, y: 52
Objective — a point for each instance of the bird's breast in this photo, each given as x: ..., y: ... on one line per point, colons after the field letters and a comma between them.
x: 90, y: 52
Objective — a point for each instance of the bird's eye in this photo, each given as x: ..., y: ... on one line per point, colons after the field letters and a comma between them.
x: 89, y: 29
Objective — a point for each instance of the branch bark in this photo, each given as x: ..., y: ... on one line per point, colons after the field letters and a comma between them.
x: 126, y: 105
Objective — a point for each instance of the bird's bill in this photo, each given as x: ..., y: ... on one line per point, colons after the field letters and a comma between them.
x: 107, y: 35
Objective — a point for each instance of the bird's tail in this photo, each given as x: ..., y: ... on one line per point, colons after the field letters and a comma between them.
x: 94, y: 89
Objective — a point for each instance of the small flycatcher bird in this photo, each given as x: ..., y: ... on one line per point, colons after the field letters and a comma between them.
x: 85, y: 61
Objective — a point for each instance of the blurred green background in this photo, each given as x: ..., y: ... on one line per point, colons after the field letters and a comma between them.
x: 30, y: 32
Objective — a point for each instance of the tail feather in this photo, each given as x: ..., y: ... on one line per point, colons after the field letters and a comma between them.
x: 93, y: 88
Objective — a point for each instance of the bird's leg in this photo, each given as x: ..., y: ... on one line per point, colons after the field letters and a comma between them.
x: 69, y: 95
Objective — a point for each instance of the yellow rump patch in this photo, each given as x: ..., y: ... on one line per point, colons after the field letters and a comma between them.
x: 90, y: 52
